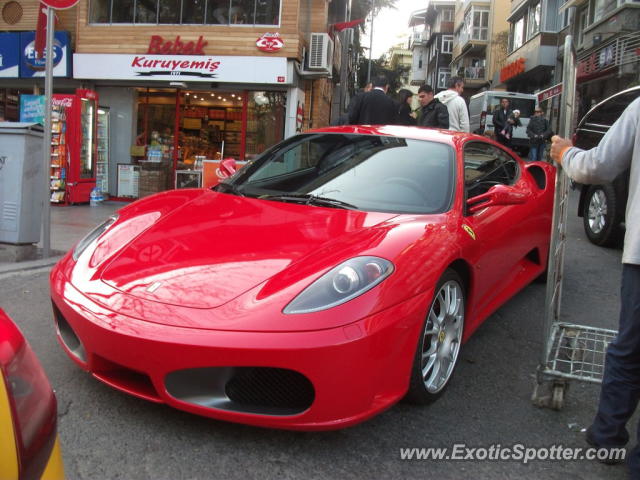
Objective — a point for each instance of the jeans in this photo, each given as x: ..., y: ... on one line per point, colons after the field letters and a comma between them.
x: 621, y: 382
x: 536, y: 152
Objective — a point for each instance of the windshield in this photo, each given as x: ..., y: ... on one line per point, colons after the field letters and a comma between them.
x: 363, y: 172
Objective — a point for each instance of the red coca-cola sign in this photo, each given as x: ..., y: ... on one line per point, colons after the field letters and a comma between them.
x: 60, y: 4
x: 270, y: 42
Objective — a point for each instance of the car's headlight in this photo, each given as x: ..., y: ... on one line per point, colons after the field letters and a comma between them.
x: 92, y: 236
x: 341, y: 284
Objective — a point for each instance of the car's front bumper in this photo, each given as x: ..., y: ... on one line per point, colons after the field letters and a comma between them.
x: 355, y: 371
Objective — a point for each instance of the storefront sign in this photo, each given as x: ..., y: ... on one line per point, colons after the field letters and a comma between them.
x: 160, y: 46
x: 270, y: 42
x: 513, y: 69
x: 549, y: 93
x: 599, y: 61
x: 9, y: 55
x: 30, y: 66
x: 32, y: 108
x: 175, y: 68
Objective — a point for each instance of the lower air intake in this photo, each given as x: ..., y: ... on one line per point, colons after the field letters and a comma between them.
x: 259, y: 390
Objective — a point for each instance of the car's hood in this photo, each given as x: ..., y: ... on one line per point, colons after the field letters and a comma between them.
x: 218, y: 246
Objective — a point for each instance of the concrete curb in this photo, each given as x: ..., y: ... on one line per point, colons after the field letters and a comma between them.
x: 6, y: 268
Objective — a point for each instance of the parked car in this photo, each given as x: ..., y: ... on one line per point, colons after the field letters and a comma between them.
x: 602, y: 207
x: 337, y: 273
x: 29, y: 445
x: 483, y: 104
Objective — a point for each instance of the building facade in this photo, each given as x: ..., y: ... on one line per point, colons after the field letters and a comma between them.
x: 197, y: 79
x: 607, y: 39
x: 479, y: 28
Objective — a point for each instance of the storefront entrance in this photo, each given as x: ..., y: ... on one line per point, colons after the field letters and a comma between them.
x: 178, y: 129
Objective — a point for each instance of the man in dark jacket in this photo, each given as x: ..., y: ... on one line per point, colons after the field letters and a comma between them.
x: 500, y: 118
x: 433, y: 113
x: 374, y: 107
x: 538, y: 132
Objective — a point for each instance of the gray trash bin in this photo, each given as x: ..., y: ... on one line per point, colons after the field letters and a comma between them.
x: 21, y: 182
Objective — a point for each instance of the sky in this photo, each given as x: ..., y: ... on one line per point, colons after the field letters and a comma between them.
x: 391, y: 26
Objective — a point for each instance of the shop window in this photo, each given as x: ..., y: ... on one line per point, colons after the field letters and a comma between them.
x: 100, y: 11
x: 121, y: 11
x: 193, y: 11
x: 242, y: 12
x: 210, y: 12
x: 169, y: 11
x: 218, y: 12
x: 266, y: 116
x: 146, y: 12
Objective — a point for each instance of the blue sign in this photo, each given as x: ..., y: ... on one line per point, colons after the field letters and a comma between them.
x: 9, y: 55
x: 30, y: 66
x: 32, y: 108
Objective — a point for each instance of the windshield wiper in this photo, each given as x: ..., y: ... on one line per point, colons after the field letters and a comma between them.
x: 308, y: 199
x: 229, y: 188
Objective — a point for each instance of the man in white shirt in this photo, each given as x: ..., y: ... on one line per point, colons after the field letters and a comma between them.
x: 457, y: 107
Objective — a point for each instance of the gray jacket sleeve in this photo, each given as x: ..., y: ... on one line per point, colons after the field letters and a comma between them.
x: 611, y: 156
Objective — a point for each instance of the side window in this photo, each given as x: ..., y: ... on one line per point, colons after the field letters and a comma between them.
x: 486, y: 166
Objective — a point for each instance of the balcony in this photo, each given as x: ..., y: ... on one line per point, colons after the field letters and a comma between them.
x: 474, y: 73
x: 418, y: 76
x: 417, y: 39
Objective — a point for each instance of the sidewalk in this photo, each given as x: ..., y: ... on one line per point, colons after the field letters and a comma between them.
x: 68, y: 225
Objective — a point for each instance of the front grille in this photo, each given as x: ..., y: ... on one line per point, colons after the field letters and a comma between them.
x: 270, y: 387
x: 258, y: 390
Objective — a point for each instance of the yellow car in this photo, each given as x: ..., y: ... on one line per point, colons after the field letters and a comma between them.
x: 29, y: 444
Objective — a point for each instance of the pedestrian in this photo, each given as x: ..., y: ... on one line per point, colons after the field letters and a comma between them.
x: 457, y: 107
x: 433, y: 113
x: 500, y: 119
x: 538, y: 131
x: 374, y: 107
x: 404, y: 113
x: 343, y: 119
x: 512, y: 122
x: 618, y: 150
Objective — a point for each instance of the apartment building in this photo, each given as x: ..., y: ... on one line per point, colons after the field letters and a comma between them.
x: 433, y: 44
x: 532, y: 49
x: 607, y: 39
x: 480, y: 30
x: 399, y: 58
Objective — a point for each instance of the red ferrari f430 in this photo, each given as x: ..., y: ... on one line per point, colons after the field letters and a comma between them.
x: 339, y: 272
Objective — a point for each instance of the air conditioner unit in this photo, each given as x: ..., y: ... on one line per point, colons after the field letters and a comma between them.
x: 320, y: 52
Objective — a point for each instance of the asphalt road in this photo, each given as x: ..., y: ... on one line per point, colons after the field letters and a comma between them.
x: 109, y: 435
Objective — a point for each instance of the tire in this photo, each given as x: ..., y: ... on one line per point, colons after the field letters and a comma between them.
x: 439, y: 341
x: 601, y: 215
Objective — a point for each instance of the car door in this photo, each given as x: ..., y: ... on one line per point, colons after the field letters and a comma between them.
x: 500, y: 241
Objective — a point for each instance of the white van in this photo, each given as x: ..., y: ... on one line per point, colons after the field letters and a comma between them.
x: 483, y: 104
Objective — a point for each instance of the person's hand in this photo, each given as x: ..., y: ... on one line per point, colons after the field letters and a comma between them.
x: 558, y: 146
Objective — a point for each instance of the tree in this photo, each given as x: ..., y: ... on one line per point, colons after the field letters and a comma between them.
x: 378, y: 67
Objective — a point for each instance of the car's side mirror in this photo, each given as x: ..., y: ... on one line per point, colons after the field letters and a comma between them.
x: 228, y: 167
x: 498, y: 195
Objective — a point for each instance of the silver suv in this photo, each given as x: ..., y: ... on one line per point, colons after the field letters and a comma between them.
x: 602, y: 207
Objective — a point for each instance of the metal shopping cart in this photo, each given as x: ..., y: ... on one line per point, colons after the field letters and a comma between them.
x: 570, y: 351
